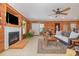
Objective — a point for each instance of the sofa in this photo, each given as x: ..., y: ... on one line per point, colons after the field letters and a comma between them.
x: 65, y: 39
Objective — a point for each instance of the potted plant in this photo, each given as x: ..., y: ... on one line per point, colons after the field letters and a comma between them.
x: 29, y: 35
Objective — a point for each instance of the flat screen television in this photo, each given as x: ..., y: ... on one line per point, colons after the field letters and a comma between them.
x: 11, y: 19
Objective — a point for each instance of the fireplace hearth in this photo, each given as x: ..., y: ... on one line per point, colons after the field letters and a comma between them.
x: 13, y: 37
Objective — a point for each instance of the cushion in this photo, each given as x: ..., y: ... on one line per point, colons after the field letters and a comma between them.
x: 58, y: 33
x: 74, y: 35
x: 70, y: 52
x: 67, y: 34
x: 76, y: 48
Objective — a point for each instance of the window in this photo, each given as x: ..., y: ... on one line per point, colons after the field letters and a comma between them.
x: 41, y: 27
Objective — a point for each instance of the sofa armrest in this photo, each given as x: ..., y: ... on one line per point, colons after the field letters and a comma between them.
x: 75, y: 42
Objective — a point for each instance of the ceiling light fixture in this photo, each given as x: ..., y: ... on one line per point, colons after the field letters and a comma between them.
x: 59, y: 12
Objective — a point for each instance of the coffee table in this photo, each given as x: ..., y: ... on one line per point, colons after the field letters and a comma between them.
x: 53, y: 39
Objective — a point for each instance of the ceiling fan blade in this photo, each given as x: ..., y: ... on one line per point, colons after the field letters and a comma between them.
x: 64, y: 13
x: 66, y: 9
x: 51, y: 14
x: 54, y: 10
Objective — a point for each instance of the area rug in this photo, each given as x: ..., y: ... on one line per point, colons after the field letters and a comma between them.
x: 52, y: 48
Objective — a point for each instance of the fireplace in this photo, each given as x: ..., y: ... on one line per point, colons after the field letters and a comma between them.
x: 13, y: 37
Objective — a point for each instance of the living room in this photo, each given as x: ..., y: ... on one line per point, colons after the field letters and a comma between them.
x: 55, y: 26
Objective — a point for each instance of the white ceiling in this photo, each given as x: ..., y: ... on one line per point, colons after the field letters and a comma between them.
x: 40, y: 11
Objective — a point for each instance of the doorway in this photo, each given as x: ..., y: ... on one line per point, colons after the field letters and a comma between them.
x: 36, y: 28
x: 57, y: 27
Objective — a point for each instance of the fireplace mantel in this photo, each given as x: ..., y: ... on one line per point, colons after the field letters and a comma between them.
x: 6, y: 31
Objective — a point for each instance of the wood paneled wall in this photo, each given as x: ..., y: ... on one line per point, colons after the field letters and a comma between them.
x: 29, y: 23
x: 2, y: 27
x: 7, y: 8
x: 51, y: 25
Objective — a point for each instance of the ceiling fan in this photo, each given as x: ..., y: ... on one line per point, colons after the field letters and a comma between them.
x: 58, y: 11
